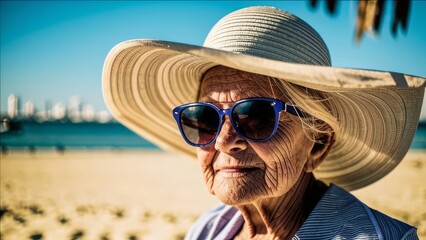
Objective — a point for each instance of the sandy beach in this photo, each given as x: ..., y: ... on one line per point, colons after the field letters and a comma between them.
x: 142, y: 194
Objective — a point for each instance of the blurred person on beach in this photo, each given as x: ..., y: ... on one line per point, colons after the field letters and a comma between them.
x: 281, y: 136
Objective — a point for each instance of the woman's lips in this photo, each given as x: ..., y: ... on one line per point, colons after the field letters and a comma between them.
x: 233, y: 172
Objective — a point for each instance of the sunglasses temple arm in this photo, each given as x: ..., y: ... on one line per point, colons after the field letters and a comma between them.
x: 294, y: 110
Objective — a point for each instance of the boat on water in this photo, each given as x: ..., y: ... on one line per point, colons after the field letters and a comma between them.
x: 10, y: 125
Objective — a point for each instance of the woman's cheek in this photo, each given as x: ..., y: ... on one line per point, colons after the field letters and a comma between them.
x: 206, y: 156
x: 282, y: 163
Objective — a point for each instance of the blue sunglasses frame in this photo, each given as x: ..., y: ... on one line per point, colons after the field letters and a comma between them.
x: 277, y: 105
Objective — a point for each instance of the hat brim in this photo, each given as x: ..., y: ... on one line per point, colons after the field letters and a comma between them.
x: 378, y: 112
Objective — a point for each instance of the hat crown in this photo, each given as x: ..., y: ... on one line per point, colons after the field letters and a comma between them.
x: 271, y: 33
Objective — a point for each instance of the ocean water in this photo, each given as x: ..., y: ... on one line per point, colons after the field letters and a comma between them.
x: 73, y: 135
x: 96, y: 135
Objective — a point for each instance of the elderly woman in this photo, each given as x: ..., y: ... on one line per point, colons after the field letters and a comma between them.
x: 280, y: 135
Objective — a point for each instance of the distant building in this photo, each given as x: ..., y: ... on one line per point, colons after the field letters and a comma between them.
x: 12, y: 106
x: 28, y: 110
x: 88, y: 113
x: 103, y: 117
x: 47, y: 114
x: 59, y: 111
x: 74, y: 109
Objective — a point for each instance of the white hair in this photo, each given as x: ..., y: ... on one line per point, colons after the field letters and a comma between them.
x: 317, y: 104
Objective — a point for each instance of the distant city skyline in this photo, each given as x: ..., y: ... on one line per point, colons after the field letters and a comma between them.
x: 74, y: 110
x: 53, y: 50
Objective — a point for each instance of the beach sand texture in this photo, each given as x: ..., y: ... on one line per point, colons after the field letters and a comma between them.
x: 142, y: 194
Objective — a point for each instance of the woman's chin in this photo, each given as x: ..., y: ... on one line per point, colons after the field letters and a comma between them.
x: 235, y: 192
x: 233, y: 200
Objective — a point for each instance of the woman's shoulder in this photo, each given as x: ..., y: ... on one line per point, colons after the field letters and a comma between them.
x: 391, y: 227
x: 339, y: 213
x: 221, y: 222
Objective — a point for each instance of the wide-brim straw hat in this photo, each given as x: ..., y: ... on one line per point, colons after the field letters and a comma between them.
x: 377, y: 111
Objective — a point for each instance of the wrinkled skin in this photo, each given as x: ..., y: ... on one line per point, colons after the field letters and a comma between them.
x: 261, y: 179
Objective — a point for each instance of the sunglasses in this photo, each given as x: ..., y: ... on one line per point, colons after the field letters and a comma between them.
x: 254, y: 119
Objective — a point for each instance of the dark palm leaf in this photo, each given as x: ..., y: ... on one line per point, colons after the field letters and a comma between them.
x: 370, y: 15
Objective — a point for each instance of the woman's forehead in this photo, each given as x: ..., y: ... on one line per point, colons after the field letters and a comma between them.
x: 223, y: 84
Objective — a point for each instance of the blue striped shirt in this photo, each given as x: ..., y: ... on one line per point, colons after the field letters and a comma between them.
x: 338, y: 215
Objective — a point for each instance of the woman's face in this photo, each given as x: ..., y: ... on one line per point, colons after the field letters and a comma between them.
x: 238, y: 171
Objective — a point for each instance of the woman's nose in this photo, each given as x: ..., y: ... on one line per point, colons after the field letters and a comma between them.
x: 228, y: 140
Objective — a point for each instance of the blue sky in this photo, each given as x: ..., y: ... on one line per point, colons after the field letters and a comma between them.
x: 51, y: 51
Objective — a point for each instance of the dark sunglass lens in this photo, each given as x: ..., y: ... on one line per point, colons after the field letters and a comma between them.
x: 255, y: 119
x: 199, y: 124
